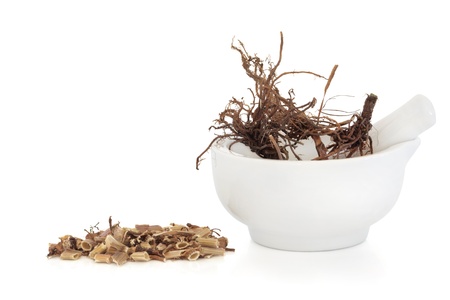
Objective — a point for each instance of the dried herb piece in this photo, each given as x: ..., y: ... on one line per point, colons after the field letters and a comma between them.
x: 273, y: 125
x: 70, y: 254
x: 142, y: 243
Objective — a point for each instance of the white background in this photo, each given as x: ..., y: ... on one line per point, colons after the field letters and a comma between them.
x: 105, y: 105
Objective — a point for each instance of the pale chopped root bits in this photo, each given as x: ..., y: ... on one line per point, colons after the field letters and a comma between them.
x: 142, y: 243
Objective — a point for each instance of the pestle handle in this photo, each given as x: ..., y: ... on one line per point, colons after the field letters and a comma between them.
x: 404, y: 124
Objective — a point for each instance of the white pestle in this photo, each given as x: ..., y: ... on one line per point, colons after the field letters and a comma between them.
x: 404, y: 124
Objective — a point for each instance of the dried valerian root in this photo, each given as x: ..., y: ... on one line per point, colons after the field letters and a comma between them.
x: 272, y: 125
x: 119, y: 244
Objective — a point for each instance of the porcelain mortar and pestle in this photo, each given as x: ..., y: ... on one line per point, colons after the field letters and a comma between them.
x: 320, y: 205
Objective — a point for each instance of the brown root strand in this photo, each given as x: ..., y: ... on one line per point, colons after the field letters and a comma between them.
x: 272, y: 125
